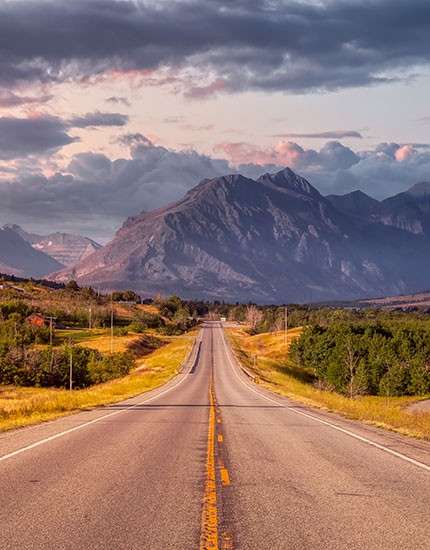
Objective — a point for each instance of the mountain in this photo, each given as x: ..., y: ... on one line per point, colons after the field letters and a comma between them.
x: 18, y: 257
x: 275, y: 239
x: 408, y: 211
x: 356, y: 205
x: 67, y: 249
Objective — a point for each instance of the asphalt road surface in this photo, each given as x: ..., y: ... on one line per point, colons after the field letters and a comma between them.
x: 212, y: 461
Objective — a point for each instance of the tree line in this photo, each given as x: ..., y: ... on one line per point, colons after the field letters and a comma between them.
x: 383, y: 357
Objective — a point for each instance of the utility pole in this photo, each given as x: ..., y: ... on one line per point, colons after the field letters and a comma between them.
x: 89, y: 323
x: 286, y: 325
x: 111, y: 330
x: 50, y: 331
x: 71, y: 365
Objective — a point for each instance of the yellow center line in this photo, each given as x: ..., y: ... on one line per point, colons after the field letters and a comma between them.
x: 209, y: 534
x: 225, y: 478
x: 220, y: 438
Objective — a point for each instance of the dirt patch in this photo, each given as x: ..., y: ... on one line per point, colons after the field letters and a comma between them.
x: 420, y: 406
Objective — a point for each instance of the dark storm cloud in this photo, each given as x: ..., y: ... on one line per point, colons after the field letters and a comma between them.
x: 22, y: 137
x: 99, y: 119
x: 32, y: 136
x: 228, y: 46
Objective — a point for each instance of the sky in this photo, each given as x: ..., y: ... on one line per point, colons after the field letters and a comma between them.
x: 109, y: 108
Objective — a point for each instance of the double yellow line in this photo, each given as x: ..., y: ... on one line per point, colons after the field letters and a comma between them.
x: 209, y: 533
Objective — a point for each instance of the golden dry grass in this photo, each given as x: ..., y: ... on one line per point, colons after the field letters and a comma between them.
x: 276, y: 372
x: 147, y: 309
x: 25, y: 406
x: 98, y: 338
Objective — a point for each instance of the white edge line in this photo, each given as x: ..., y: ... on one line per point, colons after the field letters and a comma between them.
x: 338, y: 428
x: 75, y: 428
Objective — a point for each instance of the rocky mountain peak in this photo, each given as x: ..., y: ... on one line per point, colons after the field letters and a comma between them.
x: 219, y: 186
x: 289, y: 181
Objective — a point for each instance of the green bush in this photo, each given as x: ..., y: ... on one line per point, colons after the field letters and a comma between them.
x: 145, y: 321
x: 110, y: 367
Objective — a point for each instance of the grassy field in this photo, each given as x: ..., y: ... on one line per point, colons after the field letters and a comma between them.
x: 276, y: 372
x: 98, y: 338
x: 24, y: 406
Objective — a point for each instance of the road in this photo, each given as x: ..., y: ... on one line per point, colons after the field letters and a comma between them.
x: 211, y: 460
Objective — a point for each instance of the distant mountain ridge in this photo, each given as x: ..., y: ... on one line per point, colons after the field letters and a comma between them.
x: 18, y: 257
x: 275, y: 239
x: 408, y: 211
x: 65, y: 248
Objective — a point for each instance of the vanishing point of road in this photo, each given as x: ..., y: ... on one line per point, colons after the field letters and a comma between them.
x: 212, y: 461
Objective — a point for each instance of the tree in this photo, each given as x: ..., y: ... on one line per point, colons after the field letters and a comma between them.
x: 72, y: 286
x: 170, y: 306
x: 253, y: 316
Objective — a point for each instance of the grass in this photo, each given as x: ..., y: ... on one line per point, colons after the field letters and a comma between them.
x: 98, y: 338
x: 24, y: 406
x: 276, y: 372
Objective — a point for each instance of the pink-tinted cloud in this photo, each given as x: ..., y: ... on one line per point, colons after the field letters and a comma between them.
x: 283, y: 153
x: 205, y: 92
x: 9, y: 99
x: 404, y: 153
x: 286, y: 153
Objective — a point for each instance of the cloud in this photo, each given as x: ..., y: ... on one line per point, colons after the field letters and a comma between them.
x: 211, y: 89
x: 134, y: 139
x: 174, y: 119
x: 115, y: 100
x: 9, y: 99
x: 197, y: 127
x: 333, y: 134
x: 99, y: 119
x: 96, y: 194
x: 21, y: 137
x: 388, y: 169
x: 42, y: 134
x: 332, y: 155
x: 211, y: 47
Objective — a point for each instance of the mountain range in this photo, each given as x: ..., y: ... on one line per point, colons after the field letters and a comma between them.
x: 31, y: 255
x: 271, y: 240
